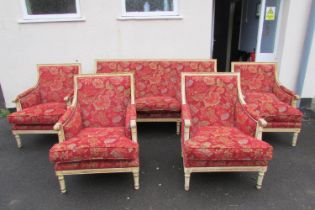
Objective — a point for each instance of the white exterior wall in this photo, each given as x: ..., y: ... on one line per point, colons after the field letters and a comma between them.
x: 291, y: 40
x: 309, y: 82
x: 22, y: 46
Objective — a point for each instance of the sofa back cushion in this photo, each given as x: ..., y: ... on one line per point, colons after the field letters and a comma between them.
x: 211, y: 99
x: 103, y: 99
x: 56, y: 81
x: 156, y: 78
x: 256, y: 77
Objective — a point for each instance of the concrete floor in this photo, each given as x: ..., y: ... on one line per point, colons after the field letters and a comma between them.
x: 27, y: 179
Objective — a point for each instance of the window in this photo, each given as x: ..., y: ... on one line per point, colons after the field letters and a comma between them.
x: 150, y: 8
x: 50, y: 9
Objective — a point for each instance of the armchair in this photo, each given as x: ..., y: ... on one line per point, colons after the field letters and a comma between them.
x: 218, y: 133
x: 98, y: 133
x: 268, y: 99
x: 40, y: 107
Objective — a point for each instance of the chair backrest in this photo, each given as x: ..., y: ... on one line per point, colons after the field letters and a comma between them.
x: 156, y: 77
x: 211, y: 97
x: 56, y: 81
x: 103, y: 98
x: 256, y: 77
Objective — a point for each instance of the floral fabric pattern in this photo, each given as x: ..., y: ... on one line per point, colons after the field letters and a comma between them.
x: 56, y: 82
x: 97, y: 164
x: 158, y: 103
x: 42, y: 114
x: 95, y: 144
x: 269, y: 107
x: 103, y: 100
x: 224, y: 143
x: 29, y: 98
x: 157, y: 82
x: 32, y: 127
x: 211, y: 100
x: 220, y: 163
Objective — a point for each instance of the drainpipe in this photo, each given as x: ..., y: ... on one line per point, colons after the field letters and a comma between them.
x: 307, y: 49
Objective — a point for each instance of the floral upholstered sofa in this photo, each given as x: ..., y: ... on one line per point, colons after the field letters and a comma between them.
x: 268, y: 99
x: 158, y: 97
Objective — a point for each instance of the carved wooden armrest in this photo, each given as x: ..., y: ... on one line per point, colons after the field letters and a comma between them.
x: 28, y: 98
x: 131, y: 124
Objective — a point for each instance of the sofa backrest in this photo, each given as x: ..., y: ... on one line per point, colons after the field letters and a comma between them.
x: 256, y: 77
x: 156, y: 77
x: 103, y: 99
x: 211, y: 98
x: 56, y: 81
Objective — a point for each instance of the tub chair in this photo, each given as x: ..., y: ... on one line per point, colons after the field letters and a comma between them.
x: 157, y: 84
x: 41, y: 106
x: 218, y: 133
x: 97, y: 134
x: 268, y: 99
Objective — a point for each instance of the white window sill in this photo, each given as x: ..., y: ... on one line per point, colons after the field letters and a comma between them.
x: 174, y: 17
x: 81, y: 19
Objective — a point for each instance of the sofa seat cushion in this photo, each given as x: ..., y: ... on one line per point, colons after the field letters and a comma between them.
x: 157, y: 103
x: 95, y: 144
x: 269, y: 107
x: 225, y: 143
x: 42, y: 114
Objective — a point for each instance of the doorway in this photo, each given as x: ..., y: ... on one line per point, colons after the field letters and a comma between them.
x: 243, y: 31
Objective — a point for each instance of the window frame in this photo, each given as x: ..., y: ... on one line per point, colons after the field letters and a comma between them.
x: 150, y: 14
x: 27, y: 16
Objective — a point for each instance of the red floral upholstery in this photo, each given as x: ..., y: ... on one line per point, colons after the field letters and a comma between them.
x: 42, y: 114
x: 266, y: 98
x: 222, y: 130
x: 158, y: 103
x: 95, y: 144
x: 42, y: 106
x: 261, y: 77
x: 97, y: 128
x: 157, y: 83
x: 269, y: 107
x: 225, y: 143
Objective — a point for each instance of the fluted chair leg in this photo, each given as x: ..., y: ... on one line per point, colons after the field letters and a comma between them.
x: 295, y: 138
x: 260, y: 179
x: 187, y: 180
x: 18, y: 140
x: 177, y: 127
x: 136, y: 179
x: 62, y: 183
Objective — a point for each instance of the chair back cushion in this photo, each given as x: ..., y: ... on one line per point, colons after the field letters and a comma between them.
x: 56, y: 81
x: 211, y: 99
x: 103, y: 99
x: 156, y: 78
x: 256, y: 77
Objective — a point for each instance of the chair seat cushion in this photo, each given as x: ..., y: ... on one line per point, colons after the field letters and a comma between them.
x: 225, y: 143
x: 95, y: 144
x: 269, y: 107
x: 42, y: 114
x: 158, y: 103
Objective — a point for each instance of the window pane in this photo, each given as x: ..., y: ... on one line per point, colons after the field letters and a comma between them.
x: 149, y: 5
x: 46, y: 7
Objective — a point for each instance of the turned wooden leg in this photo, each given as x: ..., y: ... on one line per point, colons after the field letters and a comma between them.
x: 136, y: 179
x: 62, y: 184
x: 18, y: 140
x: 177, y: 127
x: 260, y: 179
x: 295, y: 137
x: 187, y: 180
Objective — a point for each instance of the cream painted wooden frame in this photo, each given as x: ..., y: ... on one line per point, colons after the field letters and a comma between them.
x: 19, y: 107
x: 133, y: 125
x: 295, y: 131
x: 187, y: 123
x: 177, y: 120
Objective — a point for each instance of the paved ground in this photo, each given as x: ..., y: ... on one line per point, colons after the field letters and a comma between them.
x: 27, y: 179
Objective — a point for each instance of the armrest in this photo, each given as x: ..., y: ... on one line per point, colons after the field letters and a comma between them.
x: 28, y: 98
x: 247, y: 123
x: 130, y: 124
x: 186, y: 120
x: 69, y: 124
x: 68, y: 99
x: 285, y: 95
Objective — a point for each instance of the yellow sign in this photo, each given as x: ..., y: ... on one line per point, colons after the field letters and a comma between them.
x: 270, y: 13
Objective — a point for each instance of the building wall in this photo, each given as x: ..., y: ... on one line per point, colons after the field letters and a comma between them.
x: 100, y: 36
x: 291, y: 40
x: 308, y: 90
